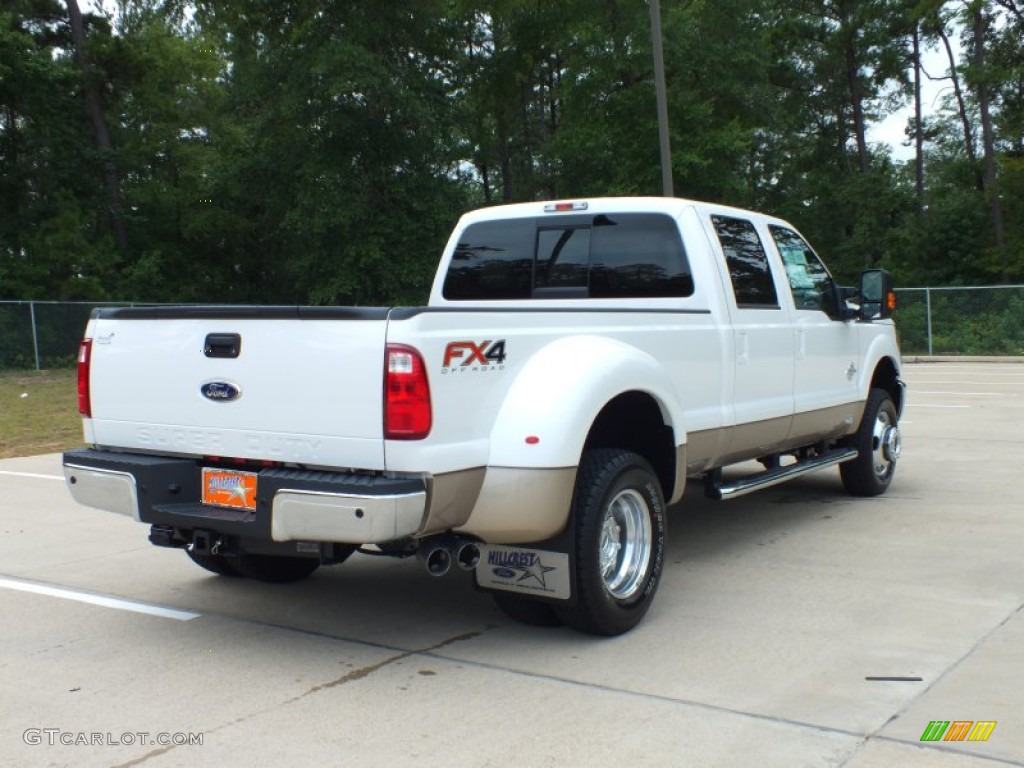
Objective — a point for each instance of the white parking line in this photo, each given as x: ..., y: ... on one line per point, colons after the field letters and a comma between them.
x: 93, y: 599
x: 32, y: 474
x: 932, y: 383
x: 972, y: 394
x: 964, y: 372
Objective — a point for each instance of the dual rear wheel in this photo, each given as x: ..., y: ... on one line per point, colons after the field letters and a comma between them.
x: 619, y: 516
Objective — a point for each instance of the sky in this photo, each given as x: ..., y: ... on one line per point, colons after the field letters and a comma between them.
x: 892, y: 130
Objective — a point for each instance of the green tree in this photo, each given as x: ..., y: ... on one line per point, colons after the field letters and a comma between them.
x: 333, y: 181
x: 55, y: 238
x: 317, y: 151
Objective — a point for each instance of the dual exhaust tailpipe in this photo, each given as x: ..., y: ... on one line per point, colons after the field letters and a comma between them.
x: 440, y: 553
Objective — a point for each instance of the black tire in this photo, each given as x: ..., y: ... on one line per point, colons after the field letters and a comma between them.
x: 219, y: 564
x: 526, y: 611
x: 878, y: 442
x: 278, y: 569
x: 619, y: 514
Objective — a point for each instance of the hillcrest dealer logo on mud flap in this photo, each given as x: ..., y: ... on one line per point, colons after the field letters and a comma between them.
x: 530, y: 571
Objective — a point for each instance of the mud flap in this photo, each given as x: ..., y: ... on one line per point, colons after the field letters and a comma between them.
x: 543, y: 570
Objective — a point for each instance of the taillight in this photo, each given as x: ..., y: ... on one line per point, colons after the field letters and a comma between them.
x: 407, y: 413
x: 84, y: 399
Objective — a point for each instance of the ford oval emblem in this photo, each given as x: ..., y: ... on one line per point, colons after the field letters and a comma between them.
x: 220, y: 391
x: 503, y: 573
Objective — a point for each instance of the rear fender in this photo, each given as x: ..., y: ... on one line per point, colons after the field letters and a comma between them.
x: 548, y: 412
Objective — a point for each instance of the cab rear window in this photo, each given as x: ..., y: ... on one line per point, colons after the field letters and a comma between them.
x: 629, y: 255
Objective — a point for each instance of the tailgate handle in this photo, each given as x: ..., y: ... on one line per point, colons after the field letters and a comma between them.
x: 222, y: 345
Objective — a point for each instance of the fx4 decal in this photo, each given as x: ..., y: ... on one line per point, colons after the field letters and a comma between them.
x: 461, y: 356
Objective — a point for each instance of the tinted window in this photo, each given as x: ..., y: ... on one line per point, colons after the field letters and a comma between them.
x: 638, y: 255
x: 747, y: 261
x: 563, y: 258
x: 493, y: 260
x: 808, y: 279
x: 618, y: 256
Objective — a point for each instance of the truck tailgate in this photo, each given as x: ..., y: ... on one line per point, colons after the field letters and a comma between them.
x: 304, y: 385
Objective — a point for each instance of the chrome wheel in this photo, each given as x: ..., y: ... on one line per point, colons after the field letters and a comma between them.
x: 878, y: 445
x: 625, y: 545
x: 618, y: 517
x: 886, y: 445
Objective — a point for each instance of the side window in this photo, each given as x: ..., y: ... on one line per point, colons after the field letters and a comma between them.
x: 629, y: 255
x: 808, y: 279
x: 747, y: 261
x: 493, y: 260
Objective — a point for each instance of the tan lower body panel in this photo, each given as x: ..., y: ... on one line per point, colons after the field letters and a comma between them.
x: 825, y: 424
x: 717, y: 447
x: 680, y: 485
x: 519, y: 506
x: 452, y: 497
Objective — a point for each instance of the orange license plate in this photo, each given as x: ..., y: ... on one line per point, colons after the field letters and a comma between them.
x: 229, y: 488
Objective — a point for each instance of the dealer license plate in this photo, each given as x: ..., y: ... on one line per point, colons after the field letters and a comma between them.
x: 229, y: 488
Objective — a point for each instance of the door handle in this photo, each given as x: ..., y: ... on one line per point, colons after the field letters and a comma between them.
x: 222, y: 345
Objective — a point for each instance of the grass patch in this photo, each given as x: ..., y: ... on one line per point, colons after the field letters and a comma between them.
x: 38, y: 412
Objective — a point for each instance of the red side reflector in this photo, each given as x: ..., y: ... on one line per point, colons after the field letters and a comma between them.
x: 407, y: 412
x: 84, y: 397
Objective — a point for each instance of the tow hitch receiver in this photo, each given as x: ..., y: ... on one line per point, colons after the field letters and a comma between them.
x: 205, y: 543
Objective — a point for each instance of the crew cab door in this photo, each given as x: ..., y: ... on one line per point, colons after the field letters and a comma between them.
x: 763, y: 338
x: 827, y: 347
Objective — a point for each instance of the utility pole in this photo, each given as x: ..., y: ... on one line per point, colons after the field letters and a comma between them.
x: 659, y: 89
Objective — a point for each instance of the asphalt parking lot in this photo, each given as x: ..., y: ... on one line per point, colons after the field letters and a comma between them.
x: 775, y: 613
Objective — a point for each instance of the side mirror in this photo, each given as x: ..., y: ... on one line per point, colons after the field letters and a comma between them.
x: 877, y: 300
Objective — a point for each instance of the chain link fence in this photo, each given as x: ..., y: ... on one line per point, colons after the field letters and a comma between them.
x: 42, y: 334
x: 45, y: 334
x: 931, y: 321
x: 961, y: 321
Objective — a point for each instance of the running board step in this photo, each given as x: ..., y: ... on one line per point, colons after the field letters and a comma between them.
x: 721, y: 491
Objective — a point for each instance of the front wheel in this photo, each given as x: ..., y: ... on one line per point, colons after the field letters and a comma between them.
x: 878, y: 443
x: 619, y: 514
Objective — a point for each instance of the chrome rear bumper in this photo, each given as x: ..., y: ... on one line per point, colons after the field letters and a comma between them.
x: 291, y: 504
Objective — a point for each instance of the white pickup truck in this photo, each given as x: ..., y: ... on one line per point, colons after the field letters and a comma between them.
x: 576, y: 363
